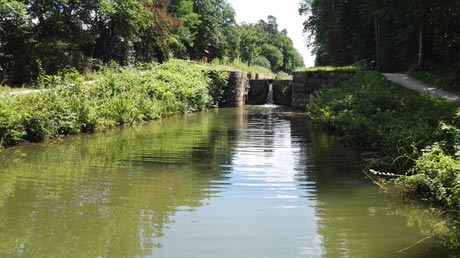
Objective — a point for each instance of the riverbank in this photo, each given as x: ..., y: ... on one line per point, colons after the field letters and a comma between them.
x: 410, y: 134
x: 444, y: 79
x: 124, y: 96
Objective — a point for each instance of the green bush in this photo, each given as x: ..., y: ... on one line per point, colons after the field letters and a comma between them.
x: 398, y: 125
x: 437, y: 175
x: 261, y: 61
x: 219, y: 80
x: 373, y: 112
x: 124, y: 96
x: 11, y: 128
x: 330, y: 69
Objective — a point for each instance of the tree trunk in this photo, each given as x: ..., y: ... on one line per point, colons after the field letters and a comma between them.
x: 377, y: 44
x: 420, y: 43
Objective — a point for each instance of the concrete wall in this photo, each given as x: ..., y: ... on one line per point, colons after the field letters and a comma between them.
x: 241, y: 90
x: 236, y: 91
x: 258, y: 92
x: 307, y: 83
x: 282, y: 92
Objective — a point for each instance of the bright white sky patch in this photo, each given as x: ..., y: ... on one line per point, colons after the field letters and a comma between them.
x: 287, y: 17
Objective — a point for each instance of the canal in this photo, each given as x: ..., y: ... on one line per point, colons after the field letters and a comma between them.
x: 248, y: 182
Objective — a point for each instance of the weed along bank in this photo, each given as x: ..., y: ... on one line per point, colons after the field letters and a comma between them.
x: 172, y: 129
x: 227, y: 181
x: 124, y: 96
x: 415, y: 143
x: 213, y: 174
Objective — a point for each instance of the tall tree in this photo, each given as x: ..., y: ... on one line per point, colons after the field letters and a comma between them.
x: 217, y: 17
x: 274, y: 55
x: 403, y: 35
x: 156, y: 39
x: 183, y: 40
x: 15, y: 37
x: 249, y: 46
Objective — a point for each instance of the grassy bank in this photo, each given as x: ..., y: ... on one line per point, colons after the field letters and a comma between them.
x: 442, y: 80
x: 415, y: 135
x: 124, y: 96
x: 384, y: 117
x: 330, y: 69
x: 408, y: 133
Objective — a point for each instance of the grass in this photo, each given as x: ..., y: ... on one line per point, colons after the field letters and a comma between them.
x: 237, y: 65
x: 437, y: 80
x: 373, y: 112
x: 283, y: 76
x: 6, y: 89
x: 415, y: 135
x: 125, y: 96
x: 330, y: 69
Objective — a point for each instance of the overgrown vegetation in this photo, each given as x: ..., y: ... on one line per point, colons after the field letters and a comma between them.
x: 330, y: 69
x: 372, y: 112
x: 411, y: 134
x: 238, y: 65
x: 125, y: 96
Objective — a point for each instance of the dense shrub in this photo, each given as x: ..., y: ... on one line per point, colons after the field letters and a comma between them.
x: 373, y: 112
x: 437, y: 175
x: 415, y: 133
x: 11, y: 128
x: 124, y: 96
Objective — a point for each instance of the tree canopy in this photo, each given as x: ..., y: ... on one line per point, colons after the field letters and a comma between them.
x: 399, y: 35
x: 263, y: 41
x: 46, y: 37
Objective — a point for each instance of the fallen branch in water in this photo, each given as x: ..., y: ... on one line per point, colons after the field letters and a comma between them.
x: 414, y: 244
x: 421, y: 241
x: 375, y: 181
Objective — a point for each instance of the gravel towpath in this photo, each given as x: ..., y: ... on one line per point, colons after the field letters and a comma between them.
x: 411, y: 83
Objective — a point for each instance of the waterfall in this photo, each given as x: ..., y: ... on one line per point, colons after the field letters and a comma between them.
x: 270, y: 93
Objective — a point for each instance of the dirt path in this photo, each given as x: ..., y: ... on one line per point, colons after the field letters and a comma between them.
x: 418, y: 86
x: 29, y: 91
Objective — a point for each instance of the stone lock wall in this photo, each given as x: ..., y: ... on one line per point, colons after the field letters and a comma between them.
x: 236, y: 91
x: 241, y: 89
x: 258, y: 92
x: 305, y: 84
x: 282, y: 92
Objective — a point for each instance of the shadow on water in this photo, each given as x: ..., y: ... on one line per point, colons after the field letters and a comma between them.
x: 110, y: 194
x: 357, y: 220
x: 260, y: 181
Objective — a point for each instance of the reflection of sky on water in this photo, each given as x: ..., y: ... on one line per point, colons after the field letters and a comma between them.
x: 265, y: 162
x: 264, y: 212
x: 218, y: 184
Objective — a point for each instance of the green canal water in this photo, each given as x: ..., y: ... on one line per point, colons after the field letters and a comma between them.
x: 250, y: 182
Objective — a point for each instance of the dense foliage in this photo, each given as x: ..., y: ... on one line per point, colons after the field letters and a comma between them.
x: 125, y: 96
x: 400, y: 35
x: 371, y: 111
x: 422, y: 143
x: 46, y: 37
x: 263, y: 44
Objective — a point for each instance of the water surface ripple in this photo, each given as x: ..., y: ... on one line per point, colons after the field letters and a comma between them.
x: 248, y: 182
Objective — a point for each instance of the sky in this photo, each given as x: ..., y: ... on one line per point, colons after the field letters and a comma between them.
x: 287, y: 17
